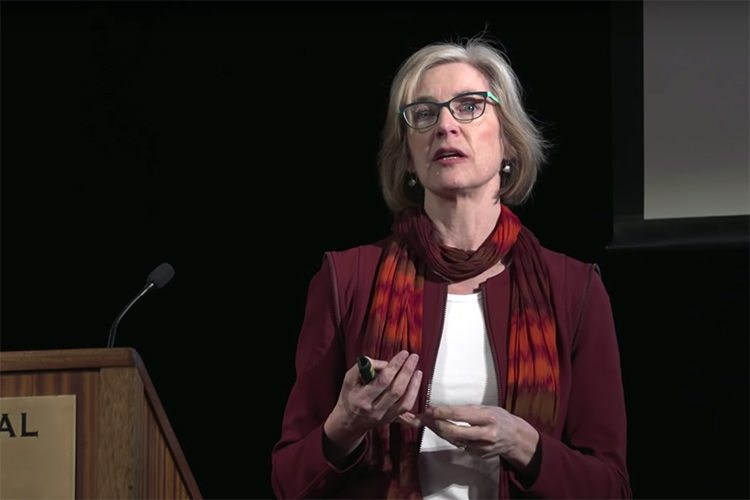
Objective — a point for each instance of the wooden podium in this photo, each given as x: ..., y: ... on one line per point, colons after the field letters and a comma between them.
x: 86, y: 423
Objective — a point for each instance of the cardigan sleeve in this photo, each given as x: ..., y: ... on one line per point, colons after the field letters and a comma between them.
x: 299, y: 466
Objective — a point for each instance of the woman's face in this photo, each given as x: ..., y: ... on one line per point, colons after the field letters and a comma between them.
x: 450, y: 158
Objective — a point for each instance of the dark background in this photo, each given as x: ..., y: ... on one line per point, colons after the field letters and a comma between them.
x: 237, y: 141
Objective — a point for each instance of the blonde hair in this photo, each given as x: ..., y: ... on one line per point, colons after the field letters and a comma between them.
x: 523, y: 141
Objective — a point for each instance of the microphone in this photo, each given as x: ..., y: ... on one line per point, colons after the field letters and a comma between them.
x: 157, y: 279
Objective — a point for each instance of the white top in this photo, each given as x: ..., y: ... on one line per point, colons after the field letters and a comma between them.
x: 464, y: 374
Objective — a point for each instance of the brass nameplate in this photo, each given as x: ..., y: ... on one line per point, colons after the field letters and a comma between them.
x: 38, y: 447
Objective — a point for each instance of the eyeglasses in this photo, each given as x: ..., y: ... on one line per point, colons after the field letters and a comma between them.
x: 464, y: 108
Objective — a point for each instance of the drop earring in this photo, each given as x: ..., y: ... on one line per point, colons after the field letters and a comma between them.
x: 506, y: 167
x: 412, y: 180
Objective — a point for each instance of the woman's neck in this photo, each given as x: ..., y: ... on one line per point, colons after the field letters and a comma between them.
x: 463, y: 223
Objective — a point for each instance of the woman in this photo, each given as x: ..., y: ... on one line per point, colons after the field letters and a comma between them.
x: 497, y: 362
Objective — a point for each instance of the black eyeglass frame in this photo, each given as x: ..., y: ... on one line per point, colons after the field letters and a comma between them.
x: 447, y: 104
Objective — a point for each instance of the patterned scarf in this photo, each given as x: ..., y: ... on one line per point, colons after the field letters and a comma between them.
x: 395, y: 324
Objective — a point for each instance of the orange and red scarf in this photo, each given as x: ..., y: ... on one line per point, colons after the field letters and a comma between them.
x: 395, y: 324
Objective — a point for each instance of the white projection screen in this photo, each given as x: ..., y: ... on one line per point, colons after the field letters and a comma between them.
x: 681, y: 123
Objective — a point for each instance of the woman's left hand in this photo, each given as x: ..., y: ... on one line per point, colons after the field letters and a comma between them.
x: 491, y: 431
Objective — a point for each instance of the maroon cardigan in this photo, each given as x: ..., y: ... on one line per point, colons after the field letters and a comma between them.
x: 583, y: 458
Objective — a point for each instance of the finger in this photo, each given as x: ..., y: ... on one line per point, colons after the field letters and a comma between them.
x: 457, y: 433
x: 409, y: 419
x: 378, y: 364
x: 407, y: 401
x: 398, y: 386
x: 471, y: 414
x: 419, y: 419
x: 352, y: 376
x: 387, y: 374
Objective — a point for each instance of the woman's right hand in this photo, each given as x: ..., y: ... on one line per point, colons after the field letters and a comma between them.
x: 361, y: 407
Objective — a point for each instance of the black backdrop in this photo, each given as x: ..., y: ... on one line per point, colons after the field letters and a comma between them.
x: 237, y: 141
